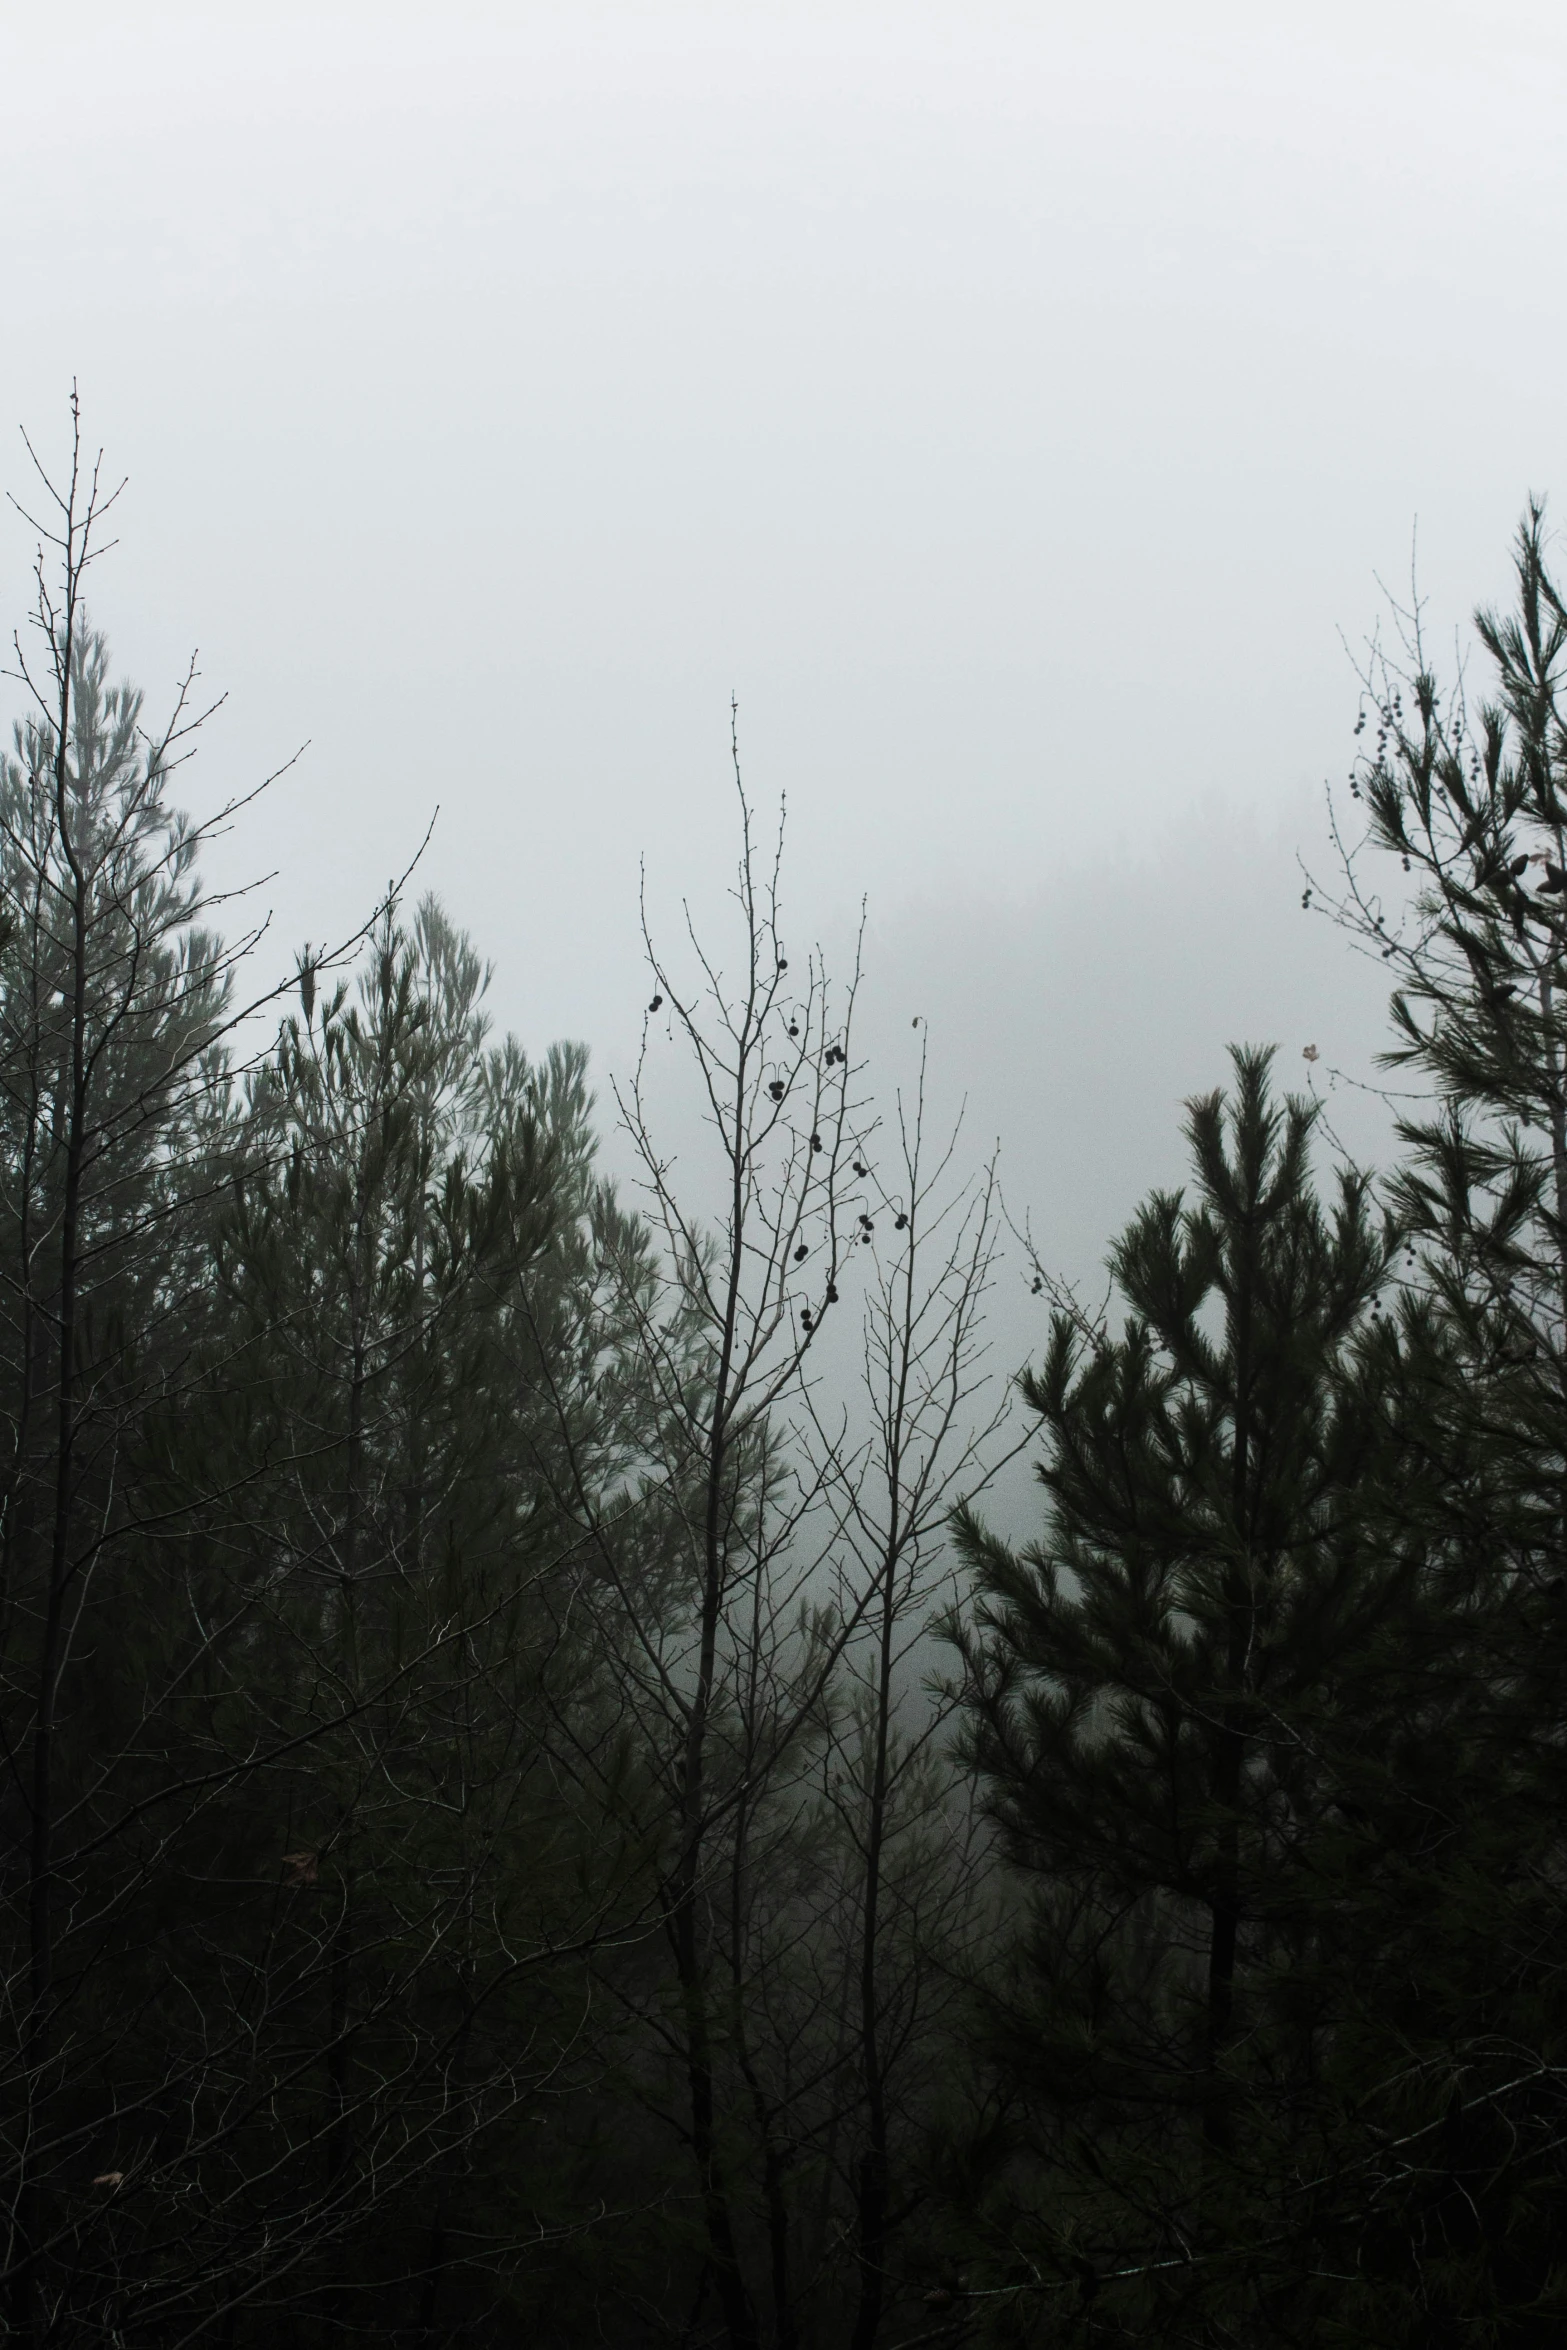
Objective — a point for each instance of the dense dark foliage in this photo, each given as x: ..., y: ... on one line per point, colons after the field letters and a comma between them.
x: 494, y: 1849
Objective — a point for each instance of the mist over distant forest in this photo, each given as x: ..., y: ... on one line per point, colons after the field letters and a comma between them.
x: 783, y: 1177
x: 650, y: 1703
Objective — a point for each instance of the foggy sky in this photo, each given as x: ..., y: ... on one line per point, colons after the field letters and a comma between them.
x: 1014, y: 407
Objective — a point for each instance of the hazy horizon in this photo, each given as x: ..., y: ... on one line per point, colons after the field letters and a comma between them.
x: 1016, y: 414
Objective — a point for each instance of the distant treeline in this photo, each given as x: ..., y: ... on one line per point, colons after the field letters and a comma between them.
x: 539, y: 1810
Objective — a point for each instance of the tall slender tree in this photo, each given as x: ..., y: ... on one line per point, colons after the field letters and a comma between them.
x: 115, y: 1004
x: 937, y: 1438
x: 724, y: 1656
x: 1165, y: 1697
x: 1456, y: 882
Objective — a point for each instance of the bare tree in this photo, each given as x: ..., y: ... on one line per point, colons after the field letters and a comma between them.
x: 725, y: 1642
x: 762, y: 1585
x: 937, y: 1439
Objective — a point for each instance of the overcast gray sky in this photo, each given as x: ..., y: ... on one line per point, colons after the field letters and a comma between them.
x: 1011, y: 405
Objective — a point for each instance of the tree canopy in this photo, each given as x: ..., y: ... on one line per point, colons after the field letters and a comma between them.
x: 542, y: 1801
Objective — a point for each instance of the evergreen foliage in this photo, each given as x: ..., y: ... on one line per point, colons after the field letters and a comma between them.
x: 1166, y: 1701
x: 486, y: 1858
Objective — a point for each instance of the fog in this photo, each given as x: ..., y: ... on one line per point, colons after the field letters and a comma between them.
x: 1015, y: 409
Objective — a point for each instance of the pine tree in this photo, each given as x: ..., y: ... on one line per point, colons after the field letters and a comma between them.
x: 1167, y: 1697
x: 409, y: 1252
x: 1470, y: 800
x: 285, y: 1598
